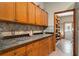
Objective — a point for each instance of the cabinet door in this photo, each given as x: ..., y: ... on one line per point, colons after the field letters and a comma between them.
x: 46, y: 46
x: 31, y: 13
x: 43, y: 47
x: 29, y: 50
x: 42, y: 17
x: 53, y: 43
x: 50, y: 44
x: 21, y: 12
x: 7, y: 11
x: 20, y: 51
x: 38, y: 16
x: 36, y: 48
x: 46, y: 18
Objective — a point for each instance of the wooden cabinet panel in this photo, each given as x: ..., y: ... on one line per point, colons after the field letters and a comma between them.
x: 38, y: 16
x: 31, y: 13
x: 29, y: 50
x: 20, y: 51
x: 44, y: 47
x: 9, y: 53
x: 42, y: 17
x: 47, y: 46
x: 46, y: 19
x: 54, y: 43
x: 50, y: 44
x: 36, y: 48
x: 21, y: 12
x: 41, y: 50
x: 7, y: 11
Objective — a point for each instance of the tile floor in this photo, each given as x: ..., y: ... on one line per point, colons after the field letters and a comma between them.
x: 63, y: 48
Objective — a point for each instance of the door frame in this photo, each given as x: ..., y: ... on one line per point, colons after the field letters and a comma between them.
x: 74, y: 30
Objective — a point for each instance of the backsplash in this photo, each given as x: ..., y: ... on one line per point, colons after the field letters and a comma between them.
x: 13, y: 27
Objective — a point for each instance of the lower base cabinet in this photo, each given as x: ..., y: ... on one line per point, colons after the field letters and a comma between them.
x: 9, y: 53
x: 29, y: 50
x: 20, y: 51
x: 42, y: 47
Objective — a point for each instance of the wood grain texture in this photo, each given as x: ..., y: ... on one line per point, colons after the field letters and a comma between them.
x: 7, y: 11
x: 31, y: 13
x: 38, y: 16
x: 21, y: 12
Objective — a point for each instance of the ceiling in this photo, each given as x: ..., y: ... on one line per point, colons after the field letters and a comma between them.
x: 65, y: 14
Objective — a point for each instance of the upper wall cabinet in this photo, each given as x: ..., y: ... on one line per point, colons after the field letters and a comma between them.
x: 46, y: 19
x: 38, y: 15
x: 7, y: 11
x: 21, y: 12
x: 42, y: 17
x: 31, y: 13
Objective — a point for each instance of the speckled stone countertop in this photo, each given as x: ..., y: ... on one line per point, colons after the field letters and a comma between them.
x: 9, y: 43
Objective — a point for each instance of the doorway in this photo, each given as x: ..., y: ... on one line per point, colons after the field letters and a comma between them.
x: 67, y: 29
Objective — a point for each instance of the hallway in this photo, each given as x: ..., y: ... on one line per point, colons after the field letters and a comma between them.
x: 63, y: 48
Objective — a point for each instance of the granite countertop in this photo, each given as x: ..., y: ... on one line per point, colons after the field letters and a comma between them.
x: 9, y: 43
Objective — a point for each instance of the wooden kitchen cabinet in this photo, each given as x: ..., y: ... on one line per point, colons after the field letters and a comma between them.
x: 46, y: 19
x: 29, y: 50
x: 41, y: 47
x: 42, y: 17
x: 31, y: 13
x: 38, y: 15
x: 36, y: 48
x: 44, y: 47
x: 21, y: 12
x: 16, y: 52
x: 53, y: 43
x: 20, y: 51
x: 47, y: 46
x: 50, y: 44
x: 9, y: 53
x: 7, y: 11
